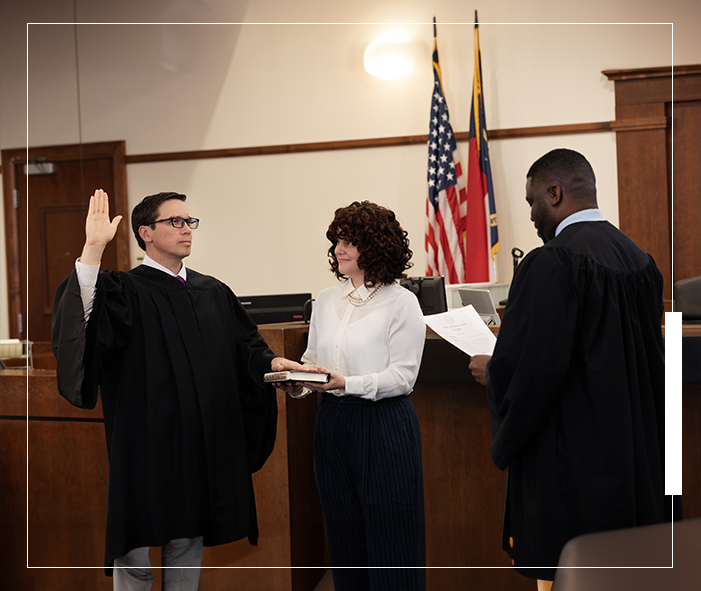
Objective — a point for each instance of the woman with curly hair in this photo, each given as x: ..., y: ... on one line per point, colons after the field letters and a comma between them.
x: 368, y: 334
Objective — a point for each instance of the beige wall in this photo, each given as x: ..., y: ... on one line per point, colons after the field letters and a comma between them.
x: 168, y: 88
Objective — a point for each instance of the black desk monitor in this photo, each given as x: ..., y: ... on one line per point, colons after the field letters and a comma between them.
x: 430, y: 291
x: 271, y: 309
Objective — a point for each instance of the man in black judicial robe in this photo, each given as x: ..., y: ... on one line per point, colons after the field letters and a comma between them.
x: 179, y: 367
x: 576, y: 380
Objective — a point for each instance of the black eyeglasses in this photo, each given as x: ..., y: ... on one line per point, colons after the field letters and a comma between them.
x: 178, y: 222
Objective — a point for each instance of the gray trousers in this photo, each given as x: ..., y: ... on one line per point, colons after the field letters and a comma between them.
x: 181, y: 560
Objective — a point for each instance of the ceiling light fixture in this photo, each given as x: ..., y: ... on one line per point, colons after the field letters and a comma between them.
x: 385, y: 58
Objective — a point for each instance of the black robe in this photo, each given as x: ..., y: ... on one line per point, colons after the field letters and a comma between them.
x: 187, y: 415
x: 576, y: 389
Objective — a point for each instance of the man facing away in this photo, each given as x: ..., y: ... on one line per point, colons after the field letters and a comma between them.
x: 576, y: 380
x: 187, y: 417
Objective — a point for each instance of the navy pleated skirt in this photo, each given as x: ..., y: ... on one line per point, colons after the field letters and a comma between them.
x: 367, y: 463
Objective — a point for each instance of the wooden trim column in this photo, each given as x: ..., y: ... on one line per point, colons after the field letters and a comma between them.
x: 658, y: 142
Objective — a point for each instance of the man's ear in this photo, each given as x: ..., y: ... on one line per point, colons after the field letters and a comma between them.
x: 555, y: 192
x: 145, y: 233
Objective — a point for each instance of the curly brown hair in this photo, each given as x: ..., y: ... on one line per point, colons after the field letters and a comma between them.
x: 383, y: 246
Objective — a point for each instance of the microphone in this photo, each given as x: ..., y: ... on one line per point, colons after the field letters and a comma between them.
x: 516, y: 254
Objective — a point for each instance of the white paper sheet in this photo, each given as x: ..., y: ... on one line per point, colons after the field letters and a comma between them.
x: 465, y: 329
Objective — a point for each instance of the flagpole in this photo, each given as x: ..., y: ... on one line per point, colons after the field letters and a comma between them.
x: 446, y: 202
x: 481, y: 224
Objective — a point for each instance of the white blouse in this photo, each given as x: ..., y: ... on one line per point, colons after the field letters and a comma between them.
x: 376, y: 346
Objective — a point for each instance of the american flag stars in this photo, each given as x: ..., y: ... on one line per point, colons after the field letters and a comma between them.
x: 441, y: 170
x: 446, y: 200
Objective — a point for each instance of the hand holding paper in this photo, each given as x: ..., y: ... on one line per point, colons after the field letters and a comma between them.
x: 465, y: 329
x: 478, y: 367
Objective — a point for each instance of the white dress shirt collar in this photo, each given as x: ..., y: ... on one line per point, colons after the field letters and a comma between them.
x: 362, y: 291
x: 149, y: 262
x: 585, y: 215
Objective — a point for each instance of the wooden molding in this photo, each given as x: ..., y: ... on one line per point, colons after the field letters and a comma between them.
x: 644, y: 73
x: 278, y: 149
x: 641, y: 123
x: 498, y: 134
x: 407, y: 140
x: 521, y: 132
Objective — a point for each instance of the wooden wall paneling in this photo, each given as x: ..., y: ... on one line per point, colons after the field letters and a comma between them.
x: 68, y: 480
x: 305, y: 525
x: 654, y: 85
x: 691, y: 451
x: 464, y: 492
x: 12, y: 245
x: 307, y: 534
x: 651, y: 166
x: 686, y: 198
x: 36, y: 210
x: 463, y: 489
x: 66, y: 465
x: 643, y: 200
x: 240, y: 565
x: 13, y: 509
x: 67, y: 487
x: 687, y: 84
x: 13, y: 504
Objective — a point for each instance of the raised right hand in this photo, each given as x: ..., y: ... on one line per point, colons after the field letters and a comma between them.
x: 99, y: 230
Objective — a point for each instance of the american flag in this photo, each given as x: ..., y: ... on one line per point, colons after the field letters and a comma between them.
x: 446, y: 205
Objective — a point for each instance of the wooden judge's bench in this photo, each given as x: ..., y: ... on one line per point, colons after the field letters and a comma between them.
x: 54, y: 475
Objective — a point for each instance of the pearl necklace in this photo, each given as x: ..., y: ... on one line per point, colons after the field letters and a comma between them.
x: 356, y: 301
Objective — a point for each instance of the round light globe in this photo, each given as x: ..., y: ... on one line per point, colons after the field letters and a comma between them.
x: 384, y: 57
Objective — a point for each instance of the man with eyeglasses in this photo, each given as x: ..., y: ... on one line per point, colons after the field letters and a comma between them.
x: 187, y: 416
